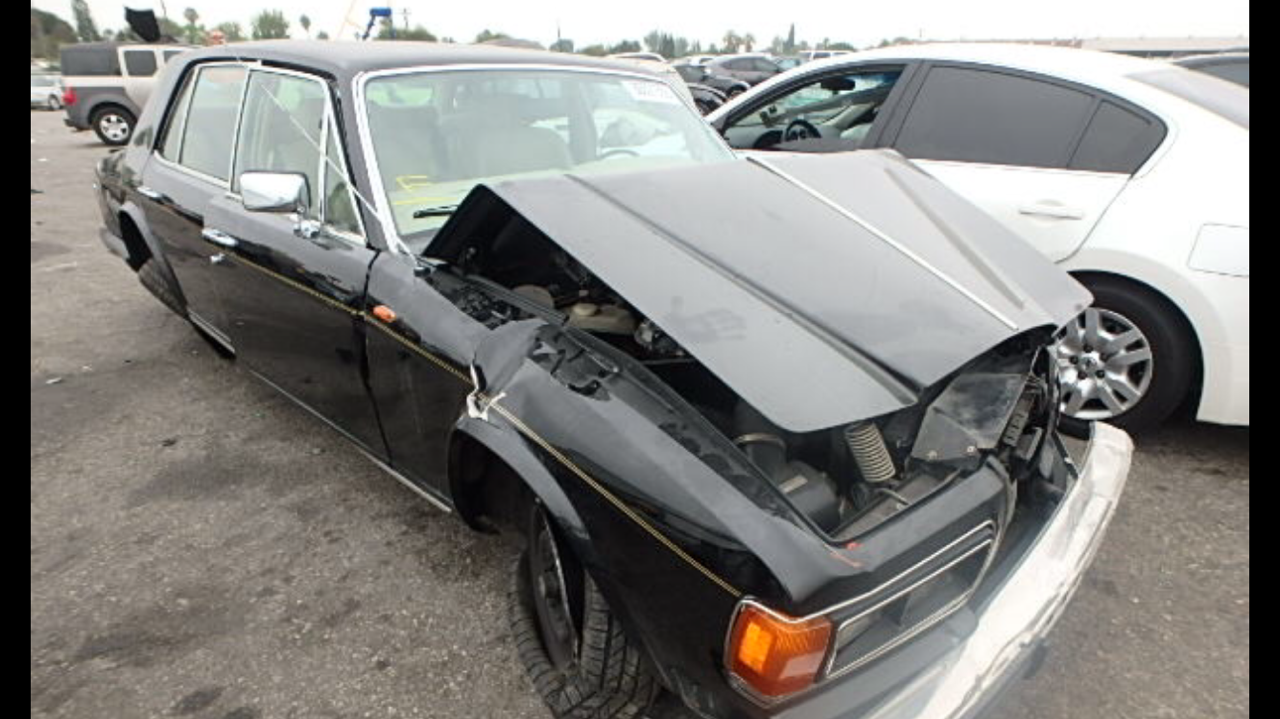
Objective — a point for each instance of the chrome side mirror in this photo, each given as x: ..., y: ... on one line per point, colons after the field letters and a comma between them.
x: 274, y: 192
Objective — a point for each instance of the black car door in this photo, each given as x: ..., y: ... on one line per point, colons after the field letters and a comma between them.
x: 190, y: 168
x: 293, y: 283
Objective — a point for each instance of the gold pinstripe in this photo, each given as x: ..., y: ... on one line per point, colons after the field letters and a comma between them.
x: 622, y: 506
x: 510, y: 417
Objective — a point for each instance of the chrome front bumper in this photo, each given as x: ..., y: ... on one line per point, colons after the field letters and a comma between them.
x: 1017, y: 615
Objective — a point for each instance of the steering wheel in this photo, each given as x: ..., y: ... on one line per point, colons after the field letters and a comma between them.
x: 800, y: 129
x: 617, y: 151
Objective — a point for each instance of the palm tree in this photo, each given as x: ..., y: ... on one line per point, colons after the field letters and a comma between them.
x: 305, y: 22
x: 748, y: 40
x: 731, y: 41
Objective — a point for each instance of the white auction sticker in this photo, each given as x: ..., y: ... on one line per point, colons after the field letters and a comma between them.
x: 650, y: 92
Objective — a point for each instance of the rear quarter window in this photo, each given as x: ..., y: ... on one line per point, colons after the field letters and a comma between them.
x: 140, y: 63
x: 1117, y: 140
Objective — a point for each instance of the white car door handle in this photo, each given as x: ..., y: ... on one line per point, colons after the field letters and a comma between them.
x: 1060, y: 212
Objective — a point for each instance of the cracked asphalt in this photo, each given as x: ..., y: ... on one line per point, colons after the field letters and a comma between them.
x: 202, y: 547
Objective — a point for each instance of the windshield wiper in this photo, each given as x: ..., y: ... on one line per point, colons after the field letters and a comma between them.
x: 437, y: 211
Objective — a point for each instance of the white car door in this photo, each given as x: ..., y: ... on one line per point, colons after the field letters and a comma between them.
x: 1045, y: 158
x: 1053, y: 209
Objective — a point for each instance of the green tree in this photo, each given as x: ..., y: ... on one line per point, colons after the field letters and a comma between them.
x: 231, y: 31
x: 841, y: 46
x: 789, y: 46
x: 417, y: 33
x: 562, y: 45
x: 268, y: 25
x: 486, y: 36
x: 305, y: 22
x: 86, y: 29
x: 322, y: 35
x: 596, y: 50
x: 731, y: 41
x: 193, y: 31
x: 48, y: 33
x: 748, y: 41
x: 625, y: 46
x: 170, y: 29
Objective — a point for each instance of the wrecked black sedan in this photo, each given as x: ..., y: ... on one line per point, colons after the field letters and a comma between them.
x: 776, y: 438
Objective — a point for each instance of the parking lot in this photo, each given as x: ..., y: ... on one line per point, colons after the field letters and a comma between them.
x: 202, y: 547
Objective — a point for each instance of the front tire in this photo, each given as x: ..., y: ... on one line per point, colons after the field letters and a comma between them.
x: 53, y: 103
x: 1128, y: 360
x: 113, y: 125
x: 581, y: 662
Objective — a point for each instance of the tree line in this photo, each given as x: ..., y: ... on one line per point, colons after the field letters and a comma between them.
x: 48, y: 32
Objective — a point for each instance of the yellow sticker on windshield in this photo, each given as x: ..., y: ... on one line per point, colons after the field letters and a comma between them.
x: 413, y: 182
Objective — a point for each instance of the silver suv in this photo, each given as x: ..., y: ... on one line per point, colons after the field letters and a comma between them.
x: 107, y: 83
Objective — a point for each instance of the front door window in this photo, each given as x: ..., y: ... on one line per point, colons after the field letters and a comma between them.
x: 830, y: 114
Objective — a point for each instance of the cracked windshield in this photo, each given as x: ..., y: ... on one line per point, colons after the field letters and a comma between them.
x: 438, y: 134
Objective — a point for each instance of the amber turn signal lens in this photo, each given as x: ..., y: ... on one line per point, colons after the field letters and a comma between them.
x: 774, y: 654
x: 384, y: 313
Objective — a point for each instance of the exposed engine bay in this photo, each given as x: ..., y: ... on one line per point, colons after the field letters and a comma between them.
x: 846, y: 479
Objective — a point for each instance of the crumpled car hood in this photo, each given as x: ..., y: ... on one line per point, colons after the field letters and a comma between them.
x: 822, y: 289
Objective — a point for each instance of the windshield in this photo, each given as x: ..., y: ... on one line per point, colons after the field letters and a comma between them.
x: 1213, y: 94
x: 438, y: 134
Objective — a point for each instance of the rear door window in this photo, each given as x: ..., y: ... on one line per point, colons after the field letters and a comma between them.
x: 208, y: 131
x: 969, y: 115
x: 140, y: 63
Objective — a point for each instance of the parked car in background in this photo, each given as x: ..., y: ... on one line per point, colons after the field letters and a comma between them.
x: 811, y: 55
x: 651, y: 56
x: 704, y: 75
x: 693, y: 59
x: 1230, y: 66
x: 46, y: 91
x: 750, y: 68
x: 1131, y: 174
x: 108, y: 83
x: 767, y: 478
x: 786, y: 62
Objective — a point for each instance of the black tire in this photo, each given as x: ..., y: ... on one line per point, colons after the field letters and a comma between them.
x: 54, y: 103
x: 608, y: 679
x: 1174, y: 352
x: 734, y: 92
x: 106, y: 120
x: 703, y: 106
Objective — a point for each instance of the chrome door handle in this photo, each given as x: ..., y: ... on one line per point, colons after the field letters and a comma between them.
x: 218, y: 237
x: 1060, y: 212
x: 151, y: 194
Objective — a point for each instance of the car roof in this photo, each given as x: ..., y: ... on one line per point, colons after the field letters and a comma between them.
x: 345, y: 59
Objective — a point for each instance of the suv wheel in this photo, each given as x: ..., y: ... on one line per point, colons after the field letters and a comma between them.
x: 571, y: 645
x: 1128, y: 359
x: 53, y: 103
x: 114, y: 125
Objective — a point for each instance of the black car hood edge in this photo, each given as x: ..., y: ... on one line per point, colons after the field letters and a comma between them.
x: 822, y: 289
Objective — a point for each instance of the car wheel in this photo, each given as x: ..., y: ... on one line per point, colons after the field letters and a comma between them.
x: 734, y: 92
x: 114, y: 125
x: 571, y: 645
x: 53, y: 103
x: 1127, y: 360
x: 703, y: 106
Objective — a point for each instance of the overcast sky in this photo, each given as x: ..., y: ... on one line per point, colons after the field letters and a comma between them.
x: 608, y: 21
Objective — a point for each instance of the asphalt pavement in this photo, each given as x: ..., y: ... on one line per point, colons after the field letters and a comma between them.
x: 202, y: 547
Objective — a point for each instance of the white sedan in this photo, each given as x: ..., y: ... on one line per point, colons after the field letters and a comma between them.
x: 1132, y: 174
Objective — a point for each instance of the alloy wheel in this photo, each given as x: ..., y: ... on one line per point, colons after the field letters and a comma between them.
x: 551, y: 597
x: 1104, y: 365
x: 114, y: 127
